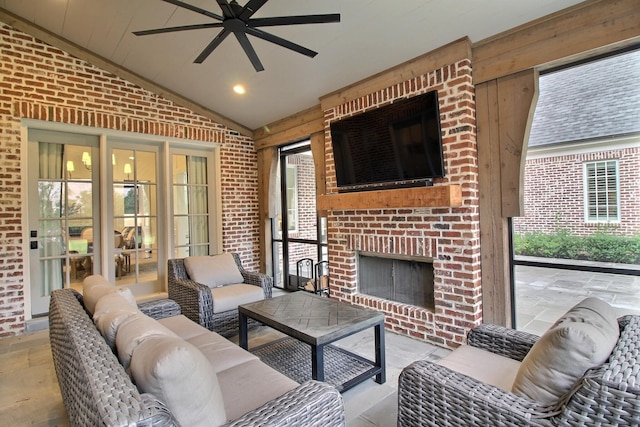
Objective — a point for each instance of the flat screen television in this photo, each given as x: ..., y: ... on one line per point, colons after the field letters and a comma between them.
x: 397, y: 145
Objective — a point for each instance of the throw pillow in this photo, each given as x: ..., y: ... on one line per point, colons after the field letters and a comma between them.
x: 580, y: 340
x: 213, y: 271
x: 111, y: 310
x: 181, y: 376
x: 133, y: 331
x: 92, y: 295
x: 93, y: 291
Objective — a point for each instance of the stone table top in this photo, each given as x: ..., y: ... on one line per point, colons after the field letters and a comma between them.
x: 310, y: 318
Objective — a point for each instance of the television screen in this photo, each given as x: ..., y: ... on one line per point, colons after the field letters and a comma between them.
x: 399, y: 144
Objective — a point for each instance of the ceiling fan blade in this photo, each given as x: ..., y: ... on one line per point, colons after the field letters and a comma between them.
x: 227, y: 10
x: 181, y: 28
x: 194, y: 9
x: 249, y: 50
x: 211, y: 46
x: 250, y: 8
x: 280, y: 41
x: 294, y: 20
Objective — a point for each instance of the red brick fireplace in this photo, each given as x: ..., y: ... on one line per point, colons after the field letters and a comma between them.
x: 449, y: 236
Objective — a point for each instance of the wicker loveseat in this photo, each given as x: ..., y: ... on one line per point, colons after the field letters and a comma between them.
x: 199, y: 302
x: 97, y: 390
x: 433, y: 395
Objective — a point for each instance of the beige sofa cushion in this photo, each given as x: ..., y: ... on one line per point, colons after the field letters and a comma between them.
x: 482, y: 365
x: 221, y: 353
x: 580, y: 340
x: 185, y: 328
x: 111, y: 310
x: 180, y: 376
x: 213, y: 271
x: 249, y: 385
x: 230, y: 297
x: 133, y: 331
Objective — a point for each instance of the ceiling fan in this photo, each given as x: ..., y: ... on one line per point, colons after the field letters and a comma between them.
x: 237, y: 19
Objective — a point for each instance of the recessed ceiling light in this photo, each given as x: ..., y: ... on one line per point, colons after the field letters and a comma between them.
x: 239, y: 89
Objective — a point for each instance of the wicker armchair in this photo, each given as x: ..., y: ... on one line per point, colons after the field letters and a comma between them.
x: 196, y: 301
x: 433, y: 395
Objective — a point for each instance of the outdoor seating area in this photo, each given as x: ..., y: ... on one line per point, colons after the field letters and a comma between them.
x: 425, y: 384
x: 428, y: 220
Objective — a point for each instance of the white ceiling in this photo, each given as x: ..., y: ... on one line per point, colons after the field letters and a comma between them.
x: 373, y: 35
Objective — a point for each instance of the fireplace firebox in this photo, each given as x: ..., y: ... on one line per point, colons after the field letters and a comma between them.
x: 407, y: 280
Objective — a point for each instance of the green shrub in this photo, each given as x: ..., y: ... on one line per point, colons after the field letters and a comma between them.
x: 602, y: 246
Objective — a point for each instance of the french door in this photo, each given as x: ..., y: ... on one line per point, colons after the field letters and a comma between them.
x: 298, y: 233
x: 63, y: 200
x: 82, y: 221
x: 116, y: 204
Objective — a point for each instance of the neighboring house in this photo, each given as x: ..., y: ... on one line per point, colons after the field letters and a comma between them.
x: 583, y: 164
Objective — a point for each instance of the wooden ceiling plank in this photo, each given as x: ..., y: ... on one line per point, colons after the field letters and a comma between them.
x: 582, y: 28
x: 437, y: 58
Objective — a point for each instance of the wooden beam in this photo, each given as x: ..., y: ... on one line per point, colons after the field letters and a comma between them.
x: 267, y: 192
x: 496, y: 289
x: 319, y: 161
x: 438, y: 58
x: 517, y: 98
x: 290, y: 129
x: 415, y: 197
x: 504, y: 111
x: 585, y: 27
x: 103, y: 63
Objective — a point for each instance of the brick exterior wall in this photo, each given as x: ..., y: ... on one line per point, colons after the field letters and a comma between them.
x: 41, y: 82
x: 449, y: 235
x: 554, y: 193
x: 307, y: 213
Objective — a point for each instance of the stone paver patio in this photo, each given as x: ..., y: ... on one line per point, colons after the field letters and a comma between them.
x: 544, y: 294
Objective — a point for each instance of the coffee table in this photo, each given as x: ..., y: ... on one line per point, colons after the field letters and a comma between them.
x: 319, y: 321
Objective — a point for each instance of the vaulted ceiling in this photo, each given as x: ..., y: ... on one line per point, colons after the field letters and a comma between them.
x: 372, y: 36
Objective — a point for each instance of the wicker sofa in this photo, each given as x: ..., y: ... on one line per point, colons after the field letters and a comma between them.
x: 199, y: 302
x: 97, y: 390
x: 433, y: 395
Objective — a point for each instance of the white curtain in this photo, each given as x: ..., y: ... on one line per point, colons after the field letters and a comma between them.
x: 198, y: 209
x: 52, y: 202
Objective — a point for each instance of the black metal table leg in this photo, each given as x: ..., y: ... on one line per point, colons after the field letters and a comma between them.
x: 380, y: 353
x: 243, y: 340
x: 317, y: 362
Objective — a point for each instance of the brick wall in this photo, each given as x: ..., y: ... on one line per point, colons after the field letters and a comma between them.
x: 307, y: 213
x: 449, y: 235
x: 41, y: 82
x: 554, y: 193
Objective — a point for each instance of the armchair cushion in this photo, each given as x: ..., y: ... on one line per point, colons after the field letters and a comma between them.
x: 482, y: 365
x: 213, y: 271
x: 580, y: 340
x: 230, y: 297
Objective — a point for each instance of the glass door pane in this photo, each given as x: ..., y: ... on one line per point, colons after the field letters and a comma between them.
x: 135, y: 216
x: 61, y: 216
x: 191, y: 216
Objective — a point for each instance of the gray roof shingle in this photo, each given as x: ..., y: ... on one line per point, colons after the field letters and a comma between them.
x: 593, y: 100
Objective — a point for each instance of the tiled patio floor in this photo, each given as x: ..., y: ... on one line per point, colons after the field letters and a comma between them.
x: 30, y: 395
